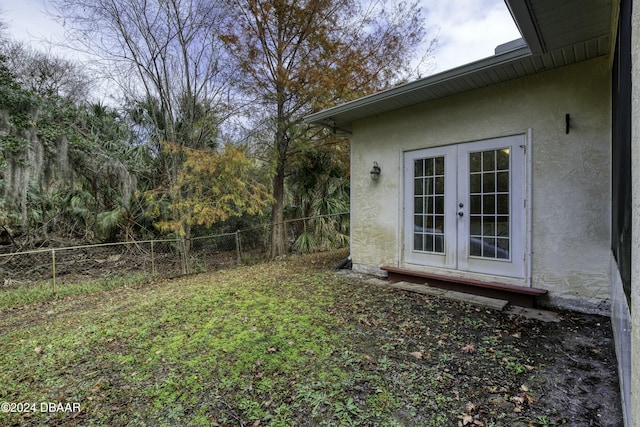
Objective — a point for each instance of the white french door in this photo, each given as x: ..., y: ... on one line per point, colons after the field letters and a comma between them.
x: 465, y: 206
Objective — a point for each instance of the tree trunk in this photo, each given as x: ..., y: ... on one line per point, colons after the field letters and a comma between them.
x: 278, y: 237
x: 278, y: 233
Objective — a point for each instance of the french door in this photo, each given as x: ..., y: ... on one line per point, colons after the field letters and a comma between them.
x: 465, y: 207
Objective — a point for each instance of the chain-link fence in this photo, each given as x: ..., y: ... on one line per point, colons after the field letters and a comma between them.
x: 57, y: 266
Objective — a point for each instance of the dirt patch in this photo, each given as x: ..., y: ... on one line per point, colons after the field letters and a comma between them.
x: 499, y: 368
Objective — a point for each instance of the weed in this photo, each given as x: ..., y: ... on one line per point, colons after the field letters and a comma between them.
x: 345, y: 411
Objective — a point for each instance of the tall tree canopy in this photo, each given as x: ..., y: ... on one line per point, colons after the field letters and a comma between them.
x: 179, y: 70
x: 297, y: 56
x: 55, y: 152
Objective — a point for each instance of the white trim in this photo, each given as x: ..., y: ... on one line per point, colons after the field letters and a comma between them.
x: 448, y: 258
x: 518, y: 268
x: 351, y: 199
x: 400, y: 222
x: 529, y: 210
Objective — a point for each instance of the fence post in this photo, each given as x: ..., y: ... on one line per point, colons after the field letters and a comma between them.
x: 183, y: 257
x: 238, y: 245
x: 53, y: 269
x: 153, y: 261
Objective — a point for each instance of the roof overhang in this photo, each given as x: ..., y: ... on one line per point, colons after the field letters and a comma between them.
x: 555, y: 34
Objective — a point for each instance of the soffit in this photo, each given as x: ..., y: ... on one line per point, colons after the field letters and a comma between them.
x: 586, y: 35
x: 548, y: 25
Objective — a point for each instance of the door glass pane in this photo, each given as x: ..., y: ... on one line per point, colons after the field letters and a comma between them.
x: 428, y: 186
x: 503, y: 159
x: 489, y: 182
x: 502, y: 249
x: 502, y: 226
x: 419, y: 185
x: 489, y: 160
x: 475, y: 183
x: 503, y: 182
x: 428, y: 196
x: 503, y: 204
x: 428, y: 169
x: 488, y: 226
x: 489, y: 202
x: 439, y: 200
x: 418, y: 205
x: 475, y: 162
x: 476, y: 225
x: 475, y: 204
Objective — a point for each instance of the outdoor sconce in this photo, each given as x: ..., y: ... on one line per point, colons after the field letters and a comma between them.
x: 567, y: 123
x: 375, y: 172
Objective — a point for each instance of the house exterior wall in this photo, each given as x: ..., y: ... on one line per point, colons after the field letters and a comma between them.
x: 570, y: 175
x: 634, y: 404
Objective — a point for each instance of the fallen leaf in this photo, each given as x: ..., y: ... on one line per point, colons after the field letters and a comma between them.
x: 38, y: 349
x: 517, y: 335
x: 272, y: 350
x: 469, y: 348
x: 417, y: 354
x: 471, y: 407
x: 466, y: 419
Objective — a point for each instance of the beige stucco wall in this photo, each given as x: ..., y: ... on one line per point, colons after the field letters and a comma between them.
x: 570, y: 174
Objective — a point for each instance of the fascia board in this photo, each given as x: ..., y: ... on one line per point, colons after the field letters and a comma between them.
x: 523, y: 17
x: 323, y: 116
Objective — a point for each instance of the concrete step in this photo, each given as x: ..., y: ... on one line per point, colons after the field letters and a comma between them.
x: 476, y: 300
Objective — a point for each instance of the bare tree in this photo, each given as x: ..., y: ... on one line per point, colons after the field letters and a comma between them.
x: 46, y: 74
x: 164, y: 55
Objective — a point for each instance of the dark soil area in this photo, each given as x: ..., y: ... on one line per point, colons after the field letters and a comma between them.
x: 497, y: 368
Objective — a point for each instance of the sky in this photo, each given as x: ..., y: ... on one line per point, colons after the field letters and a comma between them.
x: 467, y: 30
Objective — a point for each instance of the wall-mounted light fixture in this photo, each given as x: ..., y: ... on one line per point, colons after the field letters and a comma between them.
x: 567, y: 123
x: 375, y: 172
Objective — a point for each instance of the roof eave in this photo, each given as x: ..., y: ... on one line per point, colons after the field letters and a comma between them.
x: 330, y: 117
x: 521, y: 12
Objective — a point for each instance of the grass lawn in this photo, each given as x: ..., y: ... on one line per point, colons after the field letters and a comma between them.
x: 288, y: 343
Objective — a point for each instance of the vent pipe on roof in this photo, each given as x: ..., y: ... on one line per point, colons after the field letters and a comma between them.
x: 509, y: 46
